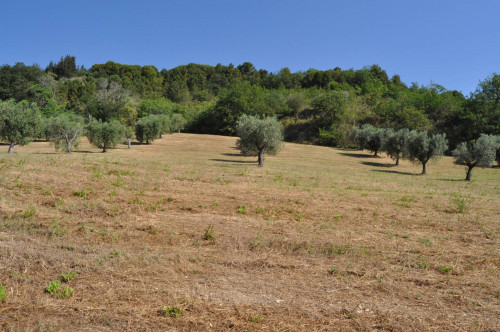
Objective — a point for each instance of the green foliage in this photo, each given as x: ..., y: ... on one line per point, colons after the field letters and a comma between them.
x: 148, y: 129
x: 460, y: 203
x: 66, y: 277
x: 209, y: 233
x: 105, y: 135
x: 242, y: 209
x: 421, y: 148
x: 55, y: 290
x: 370, y: 138
x: 174, y: 311
x: 257, y: 319
x: 481, y: 153
x: 3, y: 293
x: 177, y: 122
x: 64, y: 131
x: 259, y: 136
x: 396, y: 144
x: 19, y: 122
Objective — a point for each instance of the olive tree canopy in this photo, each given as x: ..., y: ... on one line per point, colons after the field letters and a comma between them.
x: 19, y: 122
x: 421, y: 148
x: 259, y: 136
x: 480, y: 153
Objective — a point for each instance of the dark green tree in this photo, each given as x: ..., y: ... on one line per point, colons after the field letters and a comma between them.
x: 479, y: 153
x: 259, y: 136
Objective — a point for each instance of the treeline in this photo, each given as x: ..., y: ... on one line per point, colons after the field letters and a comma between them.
x: 314, y: 106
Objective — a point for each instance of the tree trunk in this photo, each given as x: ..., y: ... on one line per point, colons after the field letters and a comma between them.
x: 397, y: 159
x: 423, y: 168
x: 104, y: 148
x: 11, y: 148
x: 129, y: 142
x: 261, y: 157
x: 375, y: 154
x: 68, y: 146
x: 469, y: 173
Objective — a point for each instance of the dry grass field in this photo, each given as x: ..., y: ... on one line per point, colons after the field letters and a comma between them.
x: 320, y: 239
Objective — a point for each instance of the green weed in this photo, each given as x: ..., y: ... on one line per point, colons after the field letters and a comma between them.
x: 3, y: 293
x: 55, y: 290
x: 242, y: 209
x: 66, y: 277
x: 173, y: 312
x: 209, y: 233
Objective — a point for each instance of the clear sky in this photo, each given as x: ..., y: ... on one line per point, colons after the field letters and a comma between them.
x: 455, y: 43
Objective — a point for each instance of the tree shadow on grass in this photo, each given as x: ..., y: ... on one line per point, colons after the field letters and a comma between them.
x: 369, y: 163
x: 232, y: 154
x: 235, y: 161
x: 453, y: 180
x: 392, y: 172
x: 356, y: 155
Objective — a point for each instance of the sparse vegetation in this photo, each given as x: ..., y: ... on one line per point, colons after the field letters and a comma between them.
x: 372, y: 229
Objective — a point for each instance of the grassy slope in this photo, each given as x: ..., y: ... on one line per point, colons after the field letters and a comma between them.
x: 330, y: 239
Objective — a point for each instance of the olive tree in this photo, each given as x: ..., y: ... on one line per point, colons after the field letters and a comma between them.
x: 396, y: 144
x: 259, y: 136
x: 177, y: 122
x: 480, y: 153
x: 128, y: 133
x: 370, y: 138
x: 422, y: 147
x: 64, y: 130
x: 19, y: 122
x: 163, y: 121
x: 147, y: 129
x: 105, y: 134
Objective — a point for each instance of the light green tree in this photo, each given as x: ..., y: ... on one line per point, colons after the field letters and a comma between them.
x: 396, y: 144
x: 177, y: 122
x: 105, y: 135
x: 480, y: 153
x: 259, y: 136
x: 64, y: 131
x: 421, y: 148
x: 19, y: 122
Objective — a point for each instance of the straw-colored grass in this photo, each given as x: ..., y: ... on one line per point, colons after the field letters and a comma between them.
x: 317, y: 239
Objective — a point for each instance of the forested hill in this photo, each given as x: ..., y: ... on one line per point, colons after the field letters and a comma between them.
x: 315, y: 106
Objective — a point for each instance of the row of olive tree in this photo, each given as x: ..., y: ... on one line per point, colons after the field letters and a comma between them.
x: 21, y: 122
x: 421, y: 147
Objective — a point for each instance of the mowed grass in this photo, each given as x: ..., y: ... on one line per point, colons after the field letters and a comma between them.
x: 187, y: 234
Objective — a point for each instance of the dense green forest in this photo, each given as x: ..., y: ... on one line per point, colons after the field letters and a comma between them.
x: 314, y: 106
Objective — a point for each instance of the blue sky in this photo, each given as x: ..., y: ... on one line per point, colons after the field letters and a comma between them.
x: 453, y: 43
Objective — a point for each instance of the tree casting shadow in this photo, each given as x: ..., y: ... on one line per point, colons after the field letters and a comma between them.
x: 232, y: 154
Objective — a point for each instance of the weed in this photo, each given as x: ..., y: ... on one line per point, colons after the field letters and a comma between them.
x: 55, y: 229
x: 28, y: 213
x: 173, y: 312
x: 135, y: 200
x: 55, y: 290
x: 3, y: 293
x: 242, y: 209
x: 333, y: 270
x: 260, y: 210
x: 299, y: 217
x: 257, y: 319
x: 46, y: 192
x: 445, y: 269
x: 97, y: 175
x: 80, y: 193
x: 117, y: 183
x: 258, y: 240
x: 460, y: 203
x: 209, y: 233
x: 426, y: 242
x: 332, y: 249
x: 70, y: 248
x: 66, y: 277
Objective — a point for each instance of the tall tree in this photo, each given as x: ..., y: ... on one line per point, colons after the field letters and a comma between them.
x: 396, y: 144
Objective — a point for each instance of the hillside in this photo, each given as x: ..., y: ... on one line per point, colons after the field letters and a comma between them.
x: 318, y: 239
